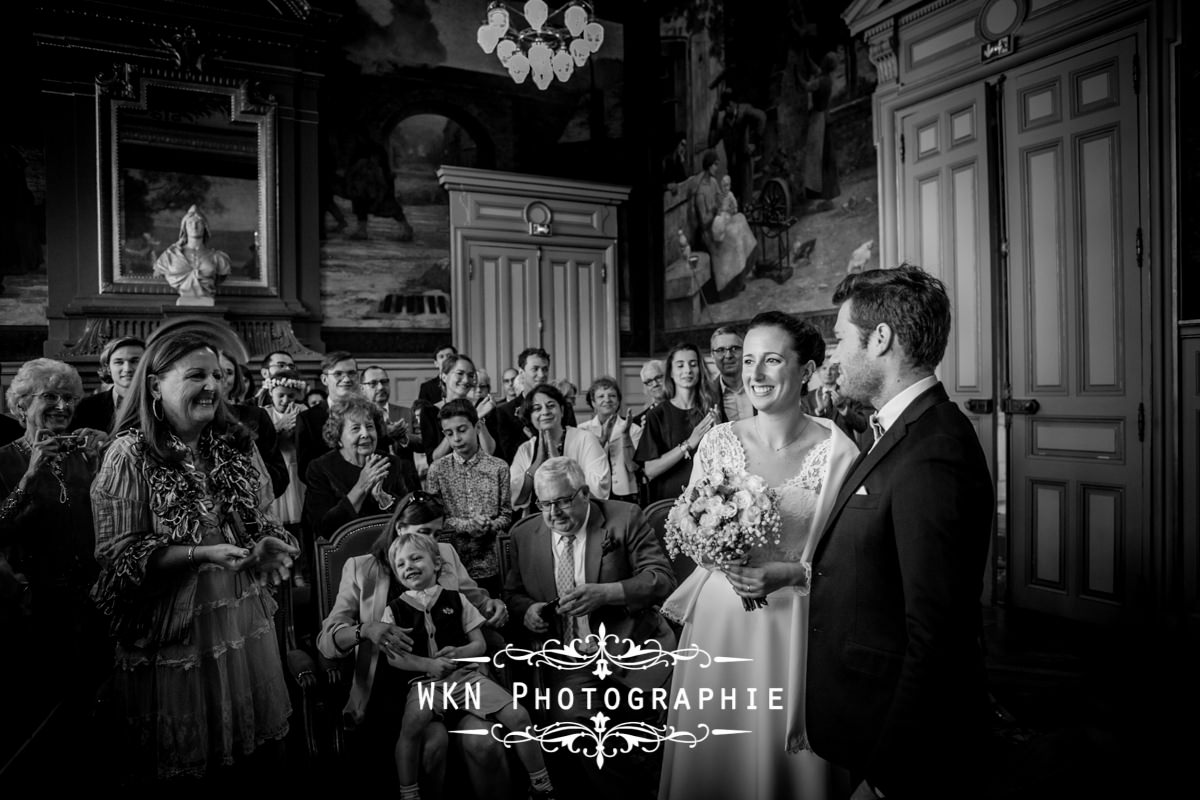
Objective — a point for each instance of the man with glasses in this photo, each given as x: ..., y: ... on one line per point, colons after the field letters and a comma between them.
x: 652, y: 380
x: 579, y: 565
x: 726, y: 349
x: 377, y: 387
x: 339, y: 374
x: 272, y: 365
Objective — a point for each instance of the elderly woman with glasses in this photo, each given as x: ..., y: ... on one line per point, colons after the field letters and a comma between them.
x: 543, y: 410
x: 46, y: 532
x: 353, y: 479
x: 354, y: 628
x: 615, y: 434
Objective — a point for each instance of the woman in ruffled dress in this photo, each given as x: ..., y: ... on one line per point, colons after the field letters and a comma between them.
x: 187, y: 550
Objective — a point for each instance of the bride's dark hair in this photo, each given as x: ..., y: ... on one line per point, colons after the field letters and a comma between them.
x: 806, y: 339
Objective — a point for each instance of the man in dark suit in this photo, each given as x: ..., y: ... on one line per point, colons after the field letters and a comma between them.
x: 605, y: 566
x: 897, y: 691
x: 431, y: 390
x: 377, y: 387
x: 534, y: 363
x: 339, y: 374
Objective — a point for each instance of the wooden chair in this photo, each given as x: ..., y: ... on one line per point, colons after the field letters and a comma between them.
x: 322, y: 700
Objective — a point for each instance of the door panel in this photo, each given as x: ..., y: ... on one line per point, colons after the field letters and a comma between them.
x: 1075, y: 291
x: 580, y: 321
x: 944, y: 229
x: 504, y: 303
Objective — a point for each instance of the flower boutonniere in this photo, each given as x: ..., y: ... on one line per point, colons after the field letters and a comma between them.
x: 609, y: 544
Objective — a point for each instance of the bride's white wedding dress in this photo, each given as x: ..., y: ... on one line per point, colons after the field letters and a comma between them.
x: 768, y: 759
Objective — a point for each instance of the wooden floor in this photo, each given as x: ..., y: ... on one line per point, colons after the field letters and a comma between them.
x: 1095, y: 713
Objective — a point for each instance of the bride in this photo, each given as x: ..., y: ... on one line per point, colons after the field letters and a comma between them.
x: 804, y: 460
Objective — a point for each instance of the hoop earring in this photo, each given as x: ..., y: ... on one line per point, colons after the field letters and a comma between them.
x: 156, y: 408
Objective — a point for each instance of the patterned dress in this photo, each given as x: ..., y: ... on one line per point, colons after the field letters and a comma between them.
x: 197, y: 668
x: 770, y: 759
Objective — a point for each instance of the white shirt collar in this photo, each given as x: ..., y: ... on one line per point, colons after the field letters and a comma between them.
x: 893, y: 408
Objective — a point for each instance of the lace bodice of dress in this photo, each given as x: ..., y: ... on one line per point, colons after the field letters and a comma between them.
x: 797, y: 496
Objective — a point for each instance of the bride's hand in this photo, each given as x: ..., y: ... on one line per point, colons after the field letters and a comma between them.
x: 759, y: 580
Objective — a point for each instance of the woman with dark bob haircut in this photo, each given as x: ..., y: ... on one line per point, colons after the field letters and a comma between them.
x: 377, y: 694
x: 186, y: 544
x: 353, y: 480
x: 543, y: 411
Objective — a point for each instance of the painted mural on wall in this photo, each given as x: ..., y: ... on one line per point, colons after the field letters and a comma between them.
x: 769, y: 194
x: 410, y: 90
x: 24, y: 291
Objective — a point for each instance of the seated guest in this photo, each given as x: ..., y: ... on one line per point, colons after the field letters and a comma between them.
x: 355, y: 627
x: 284, y: 389
x: 613, y: 432
x: 316, y: 396
x: 257, y: 420
x: 118, y: 362
x: 445, y: 627
x: 187, y: 548
x: 674, y: 428
x: 544, y: 410
x: 652, y: 376
x: 605, y: 566
x: 474, y: 488
x: 431, y: 390
x: 377, y: 387
x: 826, y: 400
x: 273, y: 364
x: 353, y: 479
x: 458, y: 378
x: 339, y: 375
x: 483, y: 387
x: 510, y: 389
x: 46, y: 530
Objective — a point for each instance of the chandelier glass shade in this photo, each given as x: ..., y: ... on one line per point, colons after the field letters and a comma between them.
x: 550, y: 45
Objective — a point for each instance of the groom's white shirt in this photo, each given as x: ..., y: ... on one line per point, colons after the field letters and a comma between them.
x: 893, y: 408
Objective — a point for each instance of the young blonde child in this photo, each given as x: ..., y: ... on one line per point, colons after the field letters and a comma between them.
x: 445, y: 627
x: 285, y: 389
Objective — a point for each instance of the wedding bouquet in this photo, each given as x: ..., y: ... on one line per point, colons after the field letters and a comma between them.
x: 720, y: 518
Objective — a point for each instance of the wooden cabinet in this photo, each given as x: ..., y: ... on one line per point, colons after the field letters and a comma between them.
x: 533, y: 263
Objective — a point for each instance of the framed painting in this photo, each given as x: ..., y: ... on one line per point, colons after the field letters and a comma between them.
x: 168, y: 144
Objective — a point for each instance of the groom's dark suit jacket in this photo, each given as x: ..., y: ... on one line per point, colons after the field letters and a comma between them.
x: 896, y: 684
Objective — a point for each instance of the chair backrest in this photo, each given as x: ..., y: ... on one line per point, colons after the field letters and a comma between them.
x: 352, y: 539
x: 656, y: 517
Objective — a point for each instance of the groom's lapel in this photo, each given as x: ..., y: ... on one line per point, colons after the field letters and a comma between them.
x: 894, y: 435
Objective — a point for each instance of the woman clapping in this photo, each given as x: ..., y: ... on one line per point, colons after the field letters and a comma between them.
x: 544, y: 408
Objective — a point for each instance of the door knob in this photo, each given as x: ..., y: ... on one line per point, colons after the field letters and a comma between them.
x: 981, y: 405
x: 1021, y: 406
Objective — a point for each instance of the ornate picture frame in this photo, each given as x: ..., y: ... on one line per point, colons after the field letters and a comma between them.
x: 166, y: 141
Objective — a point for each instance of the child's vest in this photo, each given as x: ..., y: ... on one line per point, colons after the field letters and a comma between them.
x: 447, y: 615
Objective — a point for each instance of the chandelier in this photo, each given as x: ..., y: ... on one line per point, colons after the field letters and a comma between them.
x: 547, y: 51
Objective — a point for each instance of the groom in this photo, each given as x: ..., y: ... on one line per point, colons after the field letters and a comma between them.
x: 896, y: 684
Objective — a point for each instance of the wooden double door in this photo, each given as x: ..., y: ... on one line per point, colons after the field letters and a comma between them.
x: 557, y: 296
x: 1026, y: 195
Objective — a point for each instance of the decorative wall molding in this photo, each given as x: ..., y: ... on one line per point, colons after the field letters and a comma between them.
x: 881, y: 41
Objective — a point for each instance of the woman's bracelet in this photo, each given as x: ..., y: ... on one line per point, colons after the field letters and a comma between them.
x: 192, y: 556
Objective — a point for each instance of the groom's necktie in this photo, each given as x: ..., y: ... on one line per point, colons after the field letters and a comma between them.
x: 564, y: 580
x: 876, y: 428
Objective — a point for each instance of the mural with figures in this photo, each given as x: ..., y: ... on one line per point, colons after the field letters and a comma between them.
x: 410, y: 89
x: 769, y: 194
x: 24, y: 290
